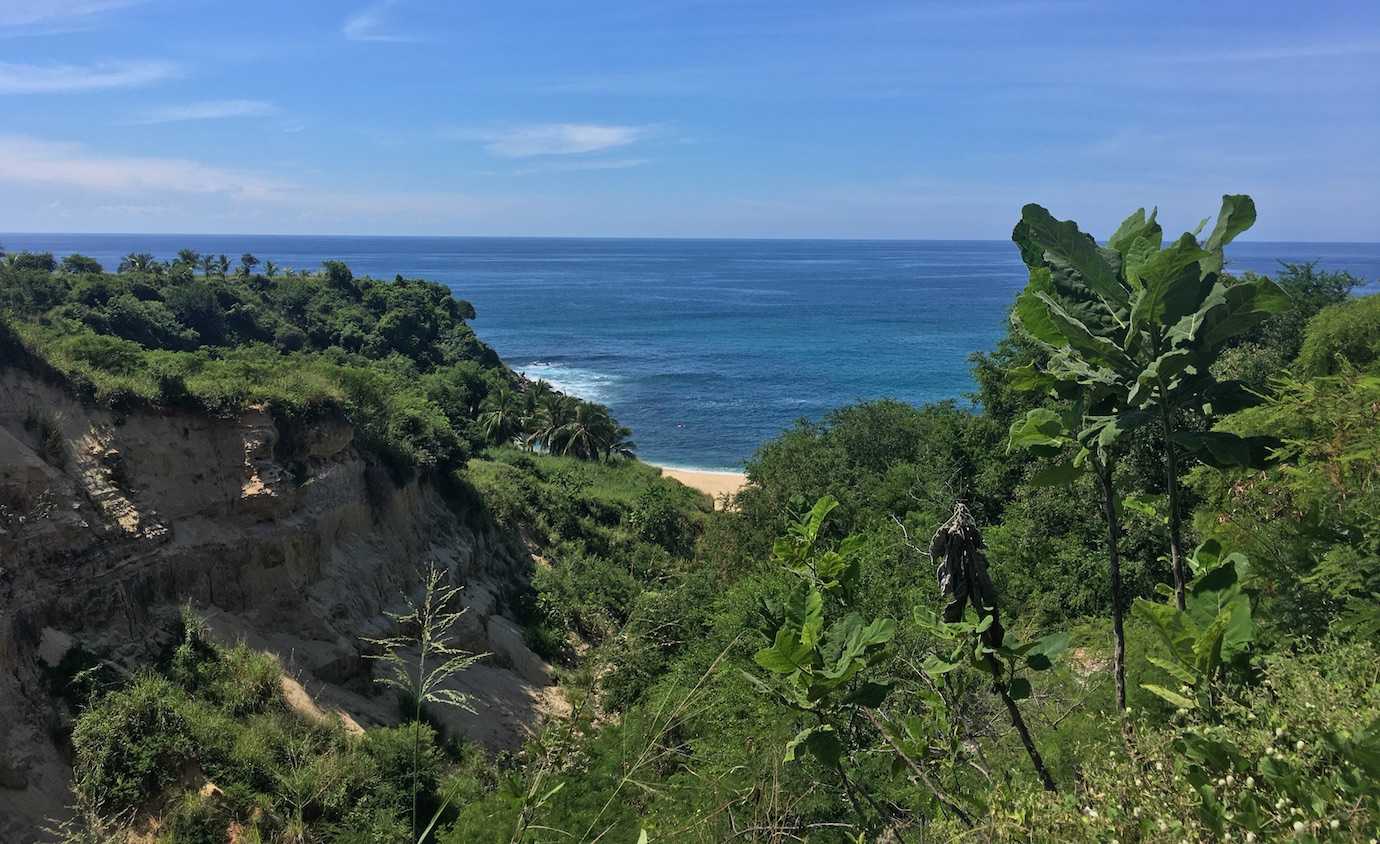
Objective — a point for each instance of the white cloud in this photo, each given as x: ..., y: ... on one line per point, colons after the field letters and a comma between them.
x: 368, y: 24
x: 26, y: 160
x: 209, y: 110
x: 555, y: 138
x: 578, y: 166
x: 21, y: 13
x: 110, y: 190
x: 67, y: 78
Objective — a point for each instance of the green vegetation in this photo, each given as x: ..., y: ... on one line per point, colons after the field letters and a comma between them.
x: 399, y: 357
x: 788, y: 669
x: 212, y: 737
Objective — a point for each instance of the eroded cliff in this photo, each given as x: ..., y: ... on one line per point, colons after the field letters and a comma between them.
x: 289, y: 537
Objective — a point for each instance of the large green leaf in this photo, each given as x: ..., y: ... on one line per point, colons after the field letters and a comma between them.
x: 1135, y: 233
x: 1062, y: 473
x: 821, y: 741
x: 1103, y: 432
x: 1031, y: 317
x: 1175, y: 670
x: 1172, y: 626
x: 786, y: 655
x: 1222, y: 450
x: 1229, y: 310
x: 1207, y: 648
x: 1171, y: 288
x: 805, y: 612
x: 1066, y: 246
x: 1162, y: 370
x: 1029, y: 379
x: 1041, y: 430
x: 1173, y: 697
x: 1237, y: 215
x: 1094, y: 348
x: 1019, y: 689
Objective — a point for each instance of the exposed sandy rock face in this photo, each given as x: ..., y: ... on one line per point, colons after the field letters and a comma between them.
x: 298, y: 547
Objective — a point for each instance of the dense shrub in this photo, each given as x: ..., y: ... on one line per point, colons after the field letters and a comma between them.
x: 1348, y: 332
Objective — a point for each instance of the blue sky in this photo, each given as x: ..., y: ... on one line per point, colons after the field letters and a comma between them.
x: 660, y: 118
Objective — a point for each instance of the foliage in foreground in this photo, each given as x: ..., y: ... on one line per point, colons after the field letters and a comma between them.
x: 1253, y: 714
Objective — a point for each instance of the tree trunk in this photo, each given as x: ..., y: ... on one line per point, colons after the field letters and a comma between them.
x: 1104, y: 480
x: 1018, y: 722
x: 1171, y: 482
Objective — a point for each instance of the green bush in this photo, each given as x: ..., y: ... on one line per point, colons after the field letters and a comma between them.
x: 1347, y: 332
x: 132, y: 743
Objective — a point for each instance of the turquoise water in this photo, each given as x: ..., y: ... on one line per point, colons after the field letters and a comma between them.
x: 706, y: 348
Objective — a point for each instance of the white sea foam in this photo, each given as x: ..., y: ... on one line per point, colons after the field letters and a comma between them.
x: 587, y: 384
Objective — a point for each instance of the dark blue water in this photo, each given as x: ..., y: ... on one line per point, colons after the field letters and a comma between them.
x: 708, y: 347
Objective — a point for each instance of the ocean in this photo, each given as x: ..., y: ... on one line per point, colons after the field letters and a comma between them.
x: 707, y: 348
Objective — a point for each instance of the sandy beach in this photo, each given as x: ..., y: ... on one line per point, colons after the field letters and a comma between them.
x: 714, y: 484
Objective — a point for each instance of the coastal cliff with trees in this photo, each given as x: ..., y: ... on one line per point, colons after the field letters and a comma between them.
x: 237, y: 503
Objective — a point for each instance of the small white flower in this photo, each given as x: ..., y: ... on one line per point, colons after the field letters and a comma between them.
x: 1250, y: 836
x: 1298, y: 745
x: 1335, y: 824
x: 1163, y: 826
x: 1298, y: 827
x: 1279, y: 732
x: 1250, y: 782
x: 1230, y: 779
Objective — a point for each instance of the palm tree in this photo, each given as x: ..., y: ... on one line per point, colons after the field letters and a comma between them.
x: 620, y: 444
x: 138, y: 262
x: 501, y: 415
x: 270, y: 269
x: 208, y: 265
x: 586, y: 434
x: 188, y: 257
x: 532, y: 398
x: 222, y: 265
x: 554, y: 412
x: 247, y: 264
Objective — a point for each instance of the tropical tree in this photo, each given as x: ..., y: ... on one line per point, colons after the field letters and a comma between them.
x: 81, y: 264
x: 620, y: 444
x: 208, y: 265
x: 222, y: 265
x: 188, y: 257
x: 270, y: 269
x: 554, y: 412
x: 587, y: 432
x: 247, y: 264
x: 138, y: 262
x: 1130, y: 331
x: 501, y: 415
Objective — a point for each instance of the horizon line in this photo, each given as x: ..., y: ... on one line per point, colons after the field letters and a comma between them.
x: 605, y: 237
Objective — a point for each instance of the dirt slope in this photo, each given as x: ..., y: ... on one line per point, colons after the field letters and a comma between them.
x: 109, y: 522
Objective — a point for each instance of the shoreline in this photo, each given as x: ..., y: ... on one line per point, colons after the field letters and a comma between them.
x: 712, y: 482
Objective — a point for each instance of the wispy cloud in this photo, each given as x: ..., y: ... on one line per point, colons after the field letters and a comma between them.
x: 56, y: 15
x: 554, y: 138
x: 369, y: 24
x: 578, y: 166
x: 99, y: 181
x: 209, y: 110
x: 26, y: 160
x: 69, y: 78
